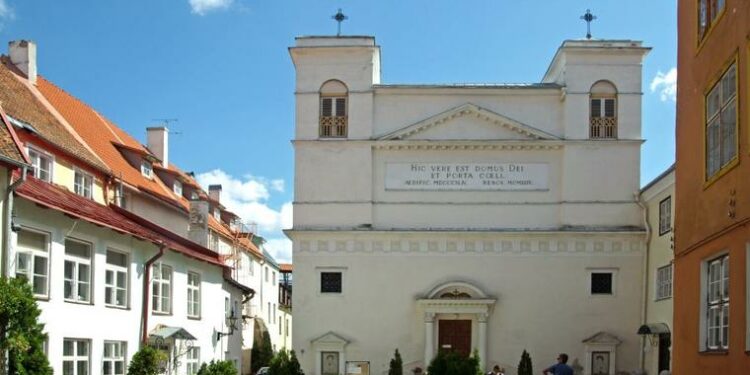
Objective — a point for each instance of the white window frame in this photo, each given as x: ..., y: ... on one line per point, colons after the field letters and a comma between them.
x: 716, y: 121
x: 177, y: 187
x: 147, y: 168
x: 193, y: 360
x: 111, y: 288
x: 160, y: 285
x: 193, y: 295
x: 33, y: 255
x: 117, y: 353
x: 76, y: 282
x: 715, y: 302
x: 665, y: 216
x: 612, y: 271
x: 663, y: 283
x: 338, y: 122
x: 84, y: 188
x: 76, y: 358
x: 35, y: 155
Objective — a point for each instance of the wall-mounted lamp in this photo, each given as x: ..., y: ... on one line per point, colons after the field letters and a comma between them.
x: 231, y: 324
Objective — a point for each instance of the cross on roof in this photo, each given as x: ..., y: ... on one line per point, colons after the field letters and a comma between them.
x: 588, y: 17
x: 339, y: 17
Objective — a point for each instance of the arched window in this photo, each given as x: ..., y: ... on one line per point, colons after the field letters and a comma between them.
x: 603, y: 115
x: 333, y: 109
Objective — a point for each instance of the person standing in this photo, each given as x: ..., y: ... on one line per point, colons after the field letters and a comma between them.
x: 559, y: 368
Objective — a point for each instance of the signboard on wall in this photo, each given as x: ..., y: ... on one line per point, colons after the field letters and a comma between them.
x: 467, y: 176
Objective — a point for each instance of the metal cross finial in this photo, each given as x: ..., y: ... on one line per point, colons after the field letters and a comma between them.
x: 339, y: 17
x: 588, y: 17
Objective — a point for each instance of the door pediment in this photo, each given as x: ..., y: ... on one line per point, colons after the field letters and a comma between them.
x: 468, y: 122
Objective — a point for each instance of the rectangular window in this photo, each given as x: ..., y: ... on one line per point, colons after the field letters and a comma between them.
x: 287, y: 328
x: 330, y: 282
x: 147, y: 168
x: 83, y: 183
x: 177, y: 188
x: 708, y: 12
x: 116, y: 279
x: 161, y: 288
x: 194, y: 295
x: 32, y: 260
x: 601, y: 283
x: 333, y: 117
x: 665, y: 216
x: 664, y: 282
x: 77, y: 273
x: 273, y: 277
x: 193, y: 360
x: 603, y: 118
x: 280, y: 326
x: 113, y: 362
x: 269, y: 313
x: 41, y: 164
x: 266, y: 274
x: 721, y: 122
x: 213, y: 241
x: 717, y: 304
x: 76, y: 357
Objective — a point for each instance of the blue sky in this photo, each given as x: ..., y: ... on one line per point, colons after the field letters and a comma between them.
x: 221, y: 67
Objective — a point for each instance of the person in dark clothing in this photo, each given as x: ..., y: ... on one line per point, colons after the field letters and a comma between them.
x: 559, y: 368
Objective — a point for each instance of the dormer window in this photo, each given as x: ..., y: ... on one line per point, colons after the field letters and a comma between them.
x: 177, y: 188
x: 333, y: 110
x: 83, y: 183
x: 41, y: 163
x: 147, y: 169
x: 217, y: 214
x: 603, y: 110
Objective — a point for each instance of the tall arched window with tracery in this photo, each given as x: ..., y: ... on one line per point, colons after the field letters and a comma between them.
x: 603, y: 110
x: 333, y: 109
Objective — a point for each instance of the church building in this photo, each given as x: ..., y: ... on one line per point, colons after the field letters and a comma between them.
x: 487, y: 218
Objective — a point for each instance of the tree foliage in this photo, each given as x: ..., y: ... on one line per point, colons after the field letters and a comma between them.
x: 262, y: 352
x: 218, y: 368
x: 146, y: 361
x: 285, y: 363
x: 452, y: 363
x: 524, y: 367
x: 397, y: 365
x: 21, y: 334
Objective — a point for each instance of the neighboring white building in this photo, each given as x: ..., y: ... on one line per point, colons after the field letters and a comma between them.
x: 494, y: 218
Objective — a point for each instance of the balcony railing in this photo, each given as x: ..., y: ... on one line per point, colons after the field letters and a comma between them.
x: 603, y: 127
x: 333, y: 126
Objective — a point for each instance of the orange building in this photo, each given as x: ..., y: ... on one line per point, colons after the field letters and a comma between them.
x: 712, y: 239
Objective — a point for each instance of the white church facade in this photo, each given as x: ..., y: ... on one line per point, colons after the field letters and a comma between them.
x: 487, y: 218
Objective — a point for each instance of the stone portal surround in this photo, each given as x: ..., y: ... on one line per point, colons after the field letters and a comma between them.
x: 474, y: 243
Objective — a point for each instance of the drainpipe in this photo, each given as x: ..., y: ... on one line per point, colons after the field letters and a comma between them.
x: 146, y: 277
x: 644, y: 285
x: 8, y: 216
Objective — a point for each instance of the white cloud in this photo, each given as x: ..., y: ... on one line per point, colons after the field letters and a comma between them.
x: 248, y: 197
x: 280, y: 249
x: 6, y: 13
x: 201, y: 7
x: 666, y: 85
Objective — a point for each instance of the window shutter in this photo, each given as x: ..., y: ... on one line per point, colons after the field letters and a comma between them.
x: 609, y: 108
x: 596, y: 108
x: 326, y: 107
x: 340, y: 107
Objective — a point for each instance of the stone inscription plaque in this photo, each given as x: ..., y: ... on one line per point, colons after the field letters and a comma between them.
x: 467, y: 176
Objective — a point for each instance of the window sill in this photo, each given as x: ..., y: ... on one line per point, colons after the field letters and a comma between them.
x: 662, y: 299
x: 711, y: 352
x: 721, y: 172
x: 116, y: 307
x: 194, y: 317
x: 161, y: 313
x: 85, y: 303
x: 41, y: 298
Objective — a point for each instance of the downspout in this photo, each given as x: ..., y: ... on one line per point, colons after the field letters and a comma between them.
x: 644, y: 284
x: 146, y: 277
x: 8, y: 216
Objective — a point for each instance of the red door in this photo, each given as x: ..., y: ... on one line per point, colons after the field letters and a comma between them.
x: 455, y: 335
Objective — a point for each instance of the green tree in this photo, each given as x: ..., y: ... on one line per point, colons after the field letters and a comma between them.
x: 524, y: 367
x: 218, y: 368
x: 397, y: 365
x: 262, y: 352
x: 146, y: 361
x: 452, y: 363
x: 294, y: 367
x: 285, y: 363
x: 21, y: 335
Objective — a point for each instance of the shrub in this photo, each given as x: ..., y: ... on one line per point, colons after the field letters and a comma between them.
x: 524, y: 367
x: 21, y: 334
x: 451, y: 363
x: 147, y: 361
x: 285, y: 363
x: 218, y: 368
x: 396, y: 364
x: 262, y: 352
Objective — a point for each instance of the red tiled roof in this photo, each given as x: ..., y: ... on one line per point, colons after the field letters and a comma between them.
x: 112, y: 217
x: 286, y: 267
x: 22, y: 101
x: 9, y: 144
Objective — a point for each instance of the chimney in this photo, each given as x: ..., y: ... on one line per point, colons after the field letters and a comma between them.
x: 158, y: 143
x: 23, y: 56
x: 214, y: 192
